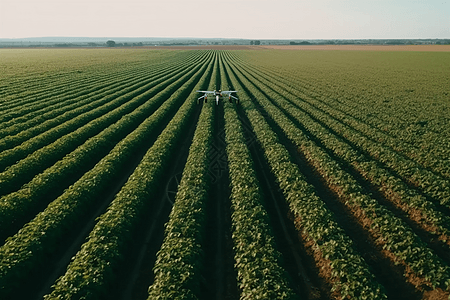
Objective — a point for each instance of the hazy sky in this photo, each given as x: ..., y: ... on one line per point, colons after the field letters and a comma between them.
x: 257, y: 19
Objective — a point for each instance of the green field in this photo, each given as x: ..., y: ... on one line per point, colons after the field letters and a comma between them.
x: 330, y: 179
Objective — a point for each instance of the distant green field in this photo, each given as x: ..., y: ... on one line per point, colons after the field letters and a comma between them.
x: 329, y: 179
x: 398, y: 92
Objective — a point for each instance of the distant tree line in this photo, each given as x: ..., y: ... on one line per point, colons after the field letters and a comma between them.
x: 112, y: 43
x: 374, y: 42
x: 300, y: 43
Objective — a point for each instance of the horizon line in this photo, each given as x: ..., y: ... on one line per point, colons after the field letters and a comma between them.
x: 212, y: 38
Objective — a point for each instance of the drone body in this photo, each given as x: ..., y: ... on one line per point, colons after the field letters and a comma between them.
x: 218, y: 94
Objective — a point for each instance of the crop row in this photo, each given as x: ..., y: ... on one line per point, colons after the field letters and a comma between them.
x: 24, y: 94
x: 358, y: 120
x: 98, y: 119
x: 26, y: 250
x: 179, y: 261
x: 417, y: 206
x: 37, y: 116
x: 389, y: 150
x: 432, y: 185
x: 350, y: 274
x: 390, y: 233
x: 56, y: 99
x: 72, y: 83
x: 257, y: 260
x: 64, y: 158
x: 16, y: 134
x: 91, y: 270
x: 47, y: 91
x: 37, y: 112
x: 20, y: 203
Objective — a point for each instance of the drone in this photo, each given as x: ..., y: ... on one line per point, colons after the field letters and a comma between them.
x: 218, y: 94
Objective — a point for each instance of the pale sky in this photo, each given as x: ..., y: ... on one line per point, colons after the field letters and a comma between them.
x: 250, y: 19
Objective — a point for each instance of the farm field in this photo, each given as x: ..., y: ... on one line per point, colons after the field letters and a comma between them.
x: 330, y: 179
x: 390, y: 48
